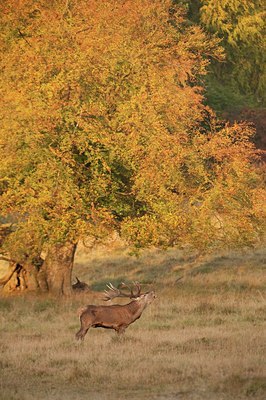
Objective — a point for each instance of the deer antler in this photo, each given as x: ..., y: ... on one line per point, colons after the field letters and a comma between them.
x: 113, y: 292
x: 137, y: 285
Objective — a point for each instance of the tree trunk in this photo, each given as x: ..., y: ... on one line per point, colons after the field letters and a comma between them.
x: 20, y: 277
x: 28, y: 278
x: 55, y: 273
x: 12, y: 283
x: 10, y: 271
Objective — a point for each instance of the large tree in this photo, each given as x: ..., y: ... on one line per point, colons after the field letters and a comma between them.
x: 103, y: 127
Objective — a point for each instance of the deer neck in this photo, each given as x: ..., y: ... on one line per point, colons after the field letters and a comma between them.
x: 136, y: 308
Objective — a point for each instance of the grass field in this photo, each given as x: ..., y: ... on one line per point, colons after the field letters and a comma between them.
x: 202, y: 338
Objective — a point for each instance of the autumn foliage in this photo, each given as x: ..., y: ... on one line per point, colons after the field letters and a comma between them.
x: 241, y: 26
x: 103, y: 127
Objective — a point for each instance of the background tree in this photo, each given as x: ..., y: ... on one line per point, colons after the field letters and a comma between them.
x: 235, y: 88
x: 241, y: 26
x: 104, y: 127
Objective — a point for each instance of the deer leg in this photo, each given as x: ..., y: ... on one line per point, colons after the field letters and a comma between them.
x: 81, y: 333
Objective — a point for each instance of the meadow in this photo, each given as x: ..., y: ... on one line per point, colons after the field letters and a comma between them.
x: 202, y: 338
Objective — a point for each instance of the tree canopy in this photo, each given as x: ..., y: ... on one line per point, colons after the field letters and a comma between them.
x: 103, y: 126
x: 241, y: 26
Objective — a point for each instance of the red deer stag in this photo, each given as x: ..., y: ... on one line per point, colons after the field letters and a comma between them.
x: 116, y: 316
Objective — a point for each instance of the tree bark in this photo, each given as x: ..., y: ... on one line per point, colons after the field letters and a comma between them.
x: 20, y: 277
x: 55, y: 273
x: 28, y: 278
x: 11, y: 269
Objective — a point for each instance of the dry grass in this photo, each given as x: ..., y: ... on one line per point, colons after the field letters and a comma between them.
x: 203, y: 338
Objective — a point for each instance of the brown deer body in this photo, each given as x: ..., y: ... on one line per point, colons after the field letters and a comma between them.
x: 117, y: 317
